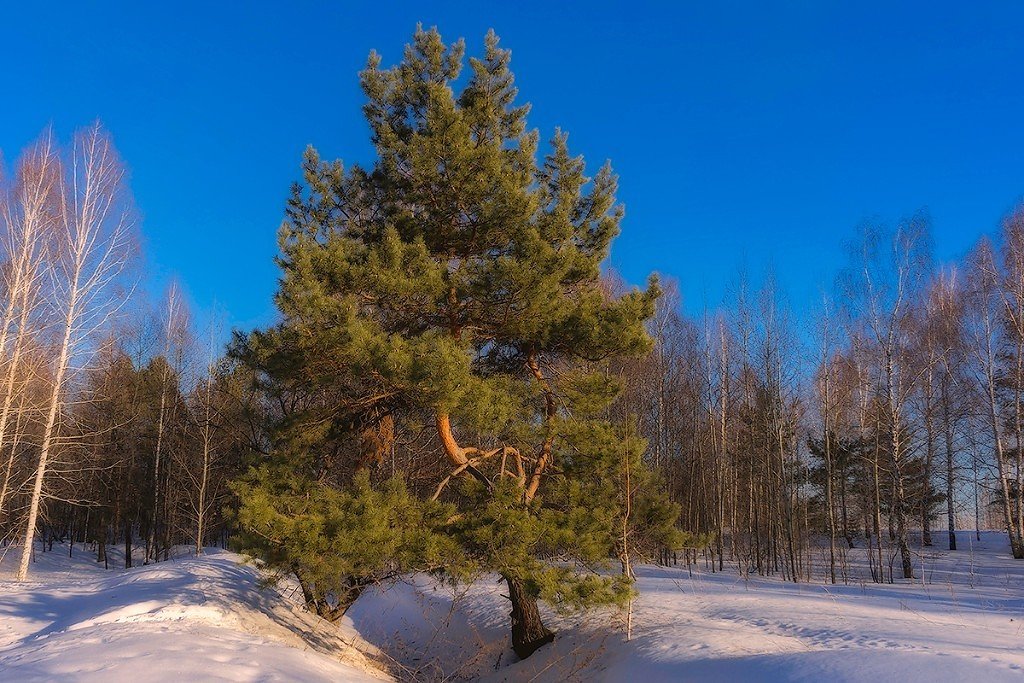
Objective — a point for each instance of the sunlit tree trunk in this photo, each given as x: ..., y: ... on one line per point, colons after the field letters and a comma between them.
x: 28, y: 215
x: 93, y: 235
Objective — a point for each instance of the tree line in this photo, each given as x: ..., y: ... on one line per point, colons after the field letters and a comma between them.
x: 886, y: 419
x: 113, y: 427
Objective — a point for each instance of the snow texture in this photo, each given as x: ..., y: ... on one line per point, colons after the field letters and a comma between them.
x: 192, y: 619
x: 961, y: 619
x: 963, y: 622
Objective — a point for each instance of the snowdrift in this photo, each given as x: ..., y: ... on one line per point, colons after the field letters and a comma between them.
x: 961, y: 620
x: 189, y: 619
x: 208, y: 618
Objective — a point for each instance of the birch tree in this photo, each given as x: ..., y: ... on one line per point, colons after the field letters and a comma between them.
x: 28, y: 214
x: 93, y: 244
x: 1012, y: 300
x: 986, y: 302
x: 826, y: 388
x: 881, y: 286
x: 175, y: 333
x: 199, y: 463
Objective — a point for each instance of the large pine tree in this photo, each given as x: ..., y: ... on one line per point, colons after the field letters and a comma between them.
x: 458, y: 280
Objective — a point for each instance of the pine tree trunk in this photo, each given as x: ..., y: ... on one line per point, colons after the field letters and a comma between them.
x: 528, y: 631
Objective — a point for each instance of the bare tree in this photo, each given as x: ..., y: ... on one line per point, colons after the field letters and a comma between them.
x: 886, y: 276
x: 945, y: 313
x: 826, y: 388
x: 198, y: 464
x: 986, y: 306
x: 28, y: 214
x: 94, y: 240
x: 1012, y: 291
x: 175, y: 333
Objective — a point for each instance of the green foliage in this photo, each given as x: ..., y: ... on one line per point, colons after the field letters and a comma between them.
x: 459, y: 277
x: 438, y: 271
x: 338, y: 541
x: 604, y: 464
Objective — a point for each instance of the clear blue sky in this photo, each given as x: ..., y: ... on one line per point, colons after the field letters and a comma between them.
x: 740, y: 133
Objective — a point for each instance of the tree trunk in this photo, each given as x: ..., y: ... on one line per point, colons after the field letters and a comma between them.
x: 323, y: 608
x: 948, y: 431
x: 127, y: 542
x: 528, y: 631
x: 1016, y: 547
x: 926, y: 516
x: 48, y: 434
x: 1018, y: 421
x: 878, y: 514
x: 153, y: 538
x: 901, y: 528
x: 843, y: 508
x: 830, y: 502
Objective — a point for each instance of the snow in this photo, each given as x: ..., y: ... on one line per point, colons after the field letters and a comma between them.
x: 190, y: 619
x: 209, y: 619
x: 964, y: 623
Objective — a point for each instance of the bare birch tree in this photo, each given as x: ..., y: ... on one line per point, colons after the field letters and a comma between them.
x: 175, y: 333
x: 826, y: 388
x: 886, y: 276
x: 199, y: 464
x: 986, y: 302
x: 28, y: 214
x: 94, y: 241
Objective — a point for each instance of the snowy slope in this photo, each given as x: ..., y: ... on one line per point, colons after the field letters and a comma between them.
x: 183, y: 620
x: 208, y: 619
x: 964, y: 623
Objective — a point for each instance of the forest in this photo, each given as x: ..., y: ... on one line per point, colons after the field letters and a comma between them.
x: 457, y: 384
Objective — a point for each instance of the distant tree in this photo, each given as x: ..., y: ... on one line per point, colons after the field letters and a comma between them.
x: 882, y: 286
x: 168, y: 372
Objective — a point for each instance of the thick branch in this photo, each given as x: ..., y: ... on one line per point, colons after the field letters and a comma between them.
x: 550, y: 410
x: 456, y: 454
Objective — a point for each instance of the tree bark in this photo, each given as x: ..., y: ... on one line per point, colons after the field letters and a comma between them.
x: 528, y: 631
x: 926, y: 517
x: 55, y: 399
x: 948, y: 432
x: 830, y: 502
x: 127, y: 542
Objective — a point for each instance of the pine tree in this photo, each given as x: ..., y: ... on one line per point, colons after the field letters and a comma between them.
x: 459, y: 279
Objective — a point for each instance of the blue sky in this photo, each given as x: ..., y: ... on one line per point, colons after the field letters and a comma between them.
x: 742, y: 134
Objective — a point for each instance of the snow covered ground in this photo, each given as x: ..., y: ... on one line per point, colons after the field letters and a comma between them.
x: 964, y: 623
x: 208, y: 619
x: 183, y: 620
